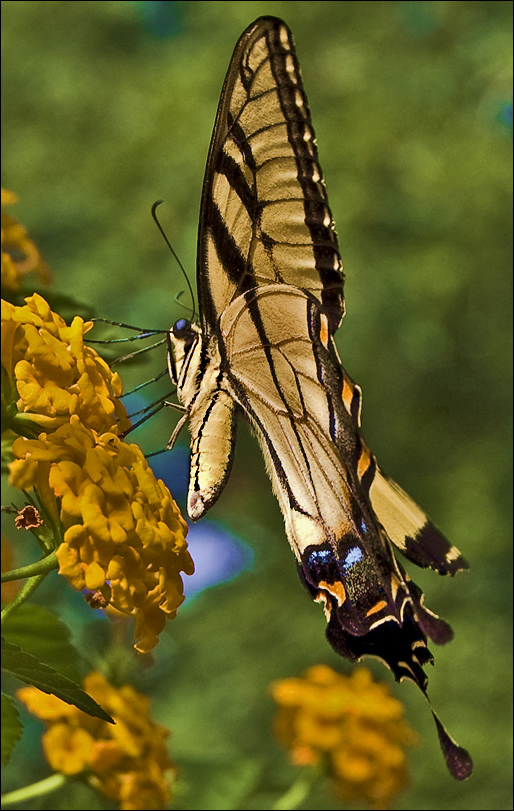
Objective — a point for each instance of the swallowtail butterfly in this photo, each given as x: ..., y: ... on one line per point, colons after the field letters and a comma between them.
x: 270, y: 288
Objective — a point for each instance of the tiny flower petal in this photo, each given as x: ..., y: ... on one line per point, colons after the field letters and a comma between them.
x: 67, y: 749
x: 28, y: 518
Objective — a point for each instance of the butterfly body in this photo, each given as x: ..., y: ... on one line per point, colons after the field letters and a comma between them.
x: 270, y: 287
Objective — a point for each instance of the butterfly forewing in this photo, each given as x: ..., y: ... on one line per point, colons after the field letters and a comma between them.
x: 265, y: 216
x: 270, y: 289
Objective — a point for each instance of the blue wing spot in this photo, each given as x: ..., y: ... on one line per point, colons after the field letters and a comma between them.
x: 321, y: 555
x: 354, y: 556
x: 363, y: 526
x: 321, y: 564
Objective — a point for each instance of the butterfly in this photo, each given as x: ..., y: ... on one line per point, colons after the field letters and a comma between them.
x: 270, y: 290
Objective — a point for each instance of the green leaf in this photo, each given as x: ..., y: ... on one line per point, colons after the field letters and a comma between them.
x: 32, y: 671
x: 40, y: 632
x: 11, y: 727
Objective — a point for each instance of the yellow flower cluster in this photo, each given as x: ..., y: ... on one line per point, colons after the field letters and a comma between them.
x: 351, y: 724
x: 123, y: 533
x: 53, y: 372
x: 19, y: 253
x: 119, y: 530
x: 126, y: 761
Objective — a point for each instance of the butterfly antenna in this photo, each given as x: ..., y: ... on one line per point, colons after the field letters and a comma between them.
x: 179, y: 263
x: 181, y: 303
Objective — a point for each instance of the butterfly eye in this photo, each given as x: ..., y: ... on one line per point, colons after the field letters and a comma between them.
x: 181, y: 328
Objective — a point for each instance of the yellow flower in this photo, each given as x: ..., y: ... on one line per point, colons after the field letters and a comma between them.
x: 53, y: 374
x: 123, y: 533
x: 127, y: 762
x: 350, y: 723
x: 19, y: 253
x: 66, y: 749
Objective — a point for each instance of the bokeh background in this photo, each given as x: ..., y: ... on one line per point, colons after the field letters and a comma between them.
x: 109, y: 106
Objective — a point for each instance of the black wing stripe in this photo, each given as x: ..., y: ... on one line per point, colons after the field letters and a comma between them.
x: 318, y: 217
x: 236, y: 265
x: 228, y: 167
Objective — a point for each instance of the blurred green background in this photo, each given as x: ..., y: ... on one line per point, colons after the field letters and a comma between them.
x: 105, y: 110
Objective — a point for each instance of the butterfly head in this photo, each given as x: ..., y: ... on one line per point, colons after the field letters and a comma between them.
x: 181, y: 328
x: 183, y: 345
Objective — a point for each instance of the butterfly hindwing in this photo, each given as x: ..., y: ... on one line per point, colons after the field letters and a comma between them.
x: 411, y: 530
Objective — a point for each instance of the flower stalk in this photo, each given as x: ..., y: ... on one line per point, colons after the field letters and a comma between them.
x: 34, y: 790
x: 34, y: 580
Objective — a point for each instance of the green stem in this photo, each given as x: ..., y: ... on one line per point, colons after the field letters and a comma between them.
x: 42, y: 566
x: 31, y: 584
x: 45, y: 786
x: 296, y: 794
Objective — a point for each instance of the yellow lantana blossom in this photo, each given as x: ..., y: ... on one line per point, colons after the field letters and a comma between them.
x: 19, y: 253
x: 126, y: 761
x: 53, y: 374
x: 123, y: 533
x: 353, y: 725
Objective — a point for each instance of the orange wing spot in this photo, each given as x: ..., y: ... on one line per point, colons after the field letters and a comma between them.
x: 347, y: 394
x: 376, y: 608
x: 323, y: 599
x: 323, y: 333
x: 336, y: 589
x: 364, y: 461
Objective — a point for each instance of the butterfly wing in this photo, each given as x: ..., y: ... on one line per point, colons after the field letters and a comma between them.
x: 342, y: 514
x: 264, y: 216
x: 285, y: 374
